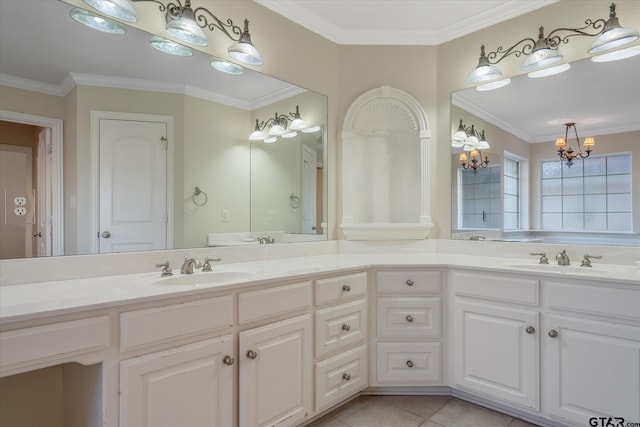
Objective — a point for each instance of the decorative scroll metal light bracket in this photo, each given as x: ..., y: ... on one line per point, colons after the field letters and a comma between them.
x: 279, y: 119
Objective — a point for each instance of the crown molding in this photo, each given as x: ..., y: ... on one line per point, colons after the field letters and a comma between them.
x: 276, y: 96
x: 31, y: 85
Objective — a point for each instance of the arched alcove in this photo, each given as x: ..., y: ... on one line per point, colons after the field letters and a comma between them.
x: 385, y: 180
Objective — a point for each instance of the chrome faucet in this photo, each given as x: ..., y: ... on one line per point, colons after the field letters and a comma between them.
x: 586, y: 262
x: 543, y: 257
x: 563, y: 258
x: 207, y: 263
x: 266, y: 240
x: 187, y: 266
x: 477, y: 237
x: 166, y: 269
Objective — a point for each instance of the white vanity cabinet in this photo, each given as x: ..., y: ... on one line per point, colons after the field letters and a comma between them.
x: 591, y: 351
x: 408, y: 342
x: 495, y: 336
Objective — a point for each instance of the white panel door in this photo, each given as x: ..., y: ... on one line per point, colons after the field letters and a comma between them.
x: 133, y: 186
x: 591, y: 364
x: 275, y: 373
x: 190, y: 385
x: 309, y: 189
x: 497, y: 352
x: 42, y: 235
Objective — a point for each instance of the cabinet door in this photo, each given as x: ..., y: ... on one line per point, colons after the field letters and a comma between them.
x: 591, y: 369
x: 275, y: 373
x: 190, y: 385
x: 497, y: 352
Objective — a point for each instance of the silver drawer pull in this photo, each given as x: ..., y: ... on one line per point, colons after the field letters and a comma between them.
x: 228, y: 360
x: 409, y: 282
x: 252, y: 354
x: 346, y: 377
x: 346, y: 327
x: 553, y: 333
x: 410, y: 363
x: 409, y: 319
x: 530, y: 329
x: 346, y: 288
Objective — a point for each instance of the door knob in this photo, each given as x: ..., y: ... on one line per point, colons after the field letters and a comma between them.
x: 553, y: 333
x: 530, y: 329
x: 228, y: 360
x: 252, y: 354
x: 106, y: 234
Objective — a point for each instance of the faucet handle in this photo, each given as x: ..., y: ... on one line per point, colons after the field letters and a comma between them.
x: 586, y: 262
x: 207, y: 263
x: 542, y: 255
x: 166, y: 269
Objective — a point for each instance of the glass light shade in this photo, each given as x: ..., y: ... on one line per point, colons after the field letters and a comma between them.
x: 457, y: 144
x: 245, y: 52
x: 460, y: 136
x: 589, y: 142
x: 472, y: 140
x: 311, y: 129
x: 97, y: 22
x: 289, y: 134
x: 297, y: 124
x: 474, y: 153
x: 120, y: 9
x: 468, y: 148
x: 482, y: 145
x: 617, y: 54
x: 276, y: 130
x: 257, y: 135
x: 170, y: 47
x: 227, y: 67
x: 561, y: 142
x: 614, y: 38
x: 545, y: 72
x: 493, y: 85
x: 270, y: 140
x: 186, y: 28
x: 483, y: 73
x: 541, y: 58
x: 462, y: 157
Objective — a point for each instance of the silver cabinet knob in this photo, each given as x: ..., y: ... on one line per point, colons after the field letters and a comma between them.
x: 38, y: 234
x: 252, y: 354
x: 346, y: 377
x: 409, y: 282
x: 228, y: 360
x: 346, y: 327
x: 409, y: 319
x: 530, y: 329
x: 106, y: 234
x: 553, y: 333
x: 346, y: 288
x: 410, y: 363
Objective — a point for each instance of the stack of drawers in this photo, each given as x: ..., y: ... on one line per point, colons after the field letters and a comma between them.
x: 409, y: 328
x: 341, y: 331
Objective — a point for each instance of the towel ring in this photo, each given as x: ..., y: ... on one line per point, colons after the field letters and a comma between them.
x: 196, y: 193
x: 295, y: 201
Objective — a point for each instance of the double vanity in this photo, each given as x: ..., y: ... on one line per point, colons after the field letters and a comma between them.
x: 281, y: 336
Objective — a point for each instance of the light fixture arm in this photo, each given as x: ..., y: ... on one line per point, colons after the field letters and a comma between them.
x: 280, y: 119
x: 565, y: 152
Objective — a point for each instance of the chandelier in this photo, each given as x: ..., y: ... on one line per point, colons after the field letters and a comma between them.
x: 183, y: 23
x: 281, y: 125
x: 566, y: 152
x: 541, y: 53
x: 471, y: 141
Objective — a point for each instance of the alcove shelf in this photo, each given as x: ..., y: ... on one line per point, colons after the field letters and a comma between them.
x: 385, y: 158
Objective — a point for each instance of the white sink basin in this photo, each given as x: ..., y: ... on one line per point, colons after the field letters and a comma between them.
x: 202, y: 279
x: 577, y: 269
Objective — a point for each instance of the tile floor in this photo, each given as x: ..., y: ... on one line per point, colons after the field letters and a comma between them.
x: 415, y: 411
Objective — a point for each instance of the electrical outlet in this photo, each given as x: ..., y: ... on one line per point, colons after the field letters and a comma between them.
x: 225, y: 215
x: 20, y: 201
x: 20, y: 211
x: 272, y: 216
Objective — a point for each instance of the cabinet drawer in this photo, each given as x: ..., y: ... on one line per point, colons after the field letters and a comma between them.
x: 57, y: 341
x: 339, y: 326
x: 596, y: 300
x: 336, y: 289
x: 408, y: 282
x: 496, y: 287
x: 340, y: 376
x: 403, y: 363
x: 156, y: 325
x: 264, y: 303
x: 409, y: 317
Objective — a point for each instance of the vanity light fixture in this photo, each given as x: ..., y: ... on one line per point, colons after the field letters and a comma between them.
x: 473, y: 142
x: 97, y: 22
x: 567, y: 153
x: 472, y: 162
x: 119, y: 9
x: 543, y: 52
x: 226, y: 67
x: 282, y: 125
x: 616, y: 55
x: 186, y: 24
x: 170, y: 47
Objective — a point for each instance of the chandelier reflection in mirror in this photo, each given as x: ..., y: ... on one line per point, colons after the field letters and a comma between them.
x: 281, y: 125
x: 567, y: 153
x: 184, y: 23
x: 473, y: 142
x: 542, y: 54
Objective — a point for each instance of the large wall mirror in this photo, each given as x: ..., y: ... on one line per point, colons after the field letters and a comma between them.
x: 218, y: 187
x: 525, y: 192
